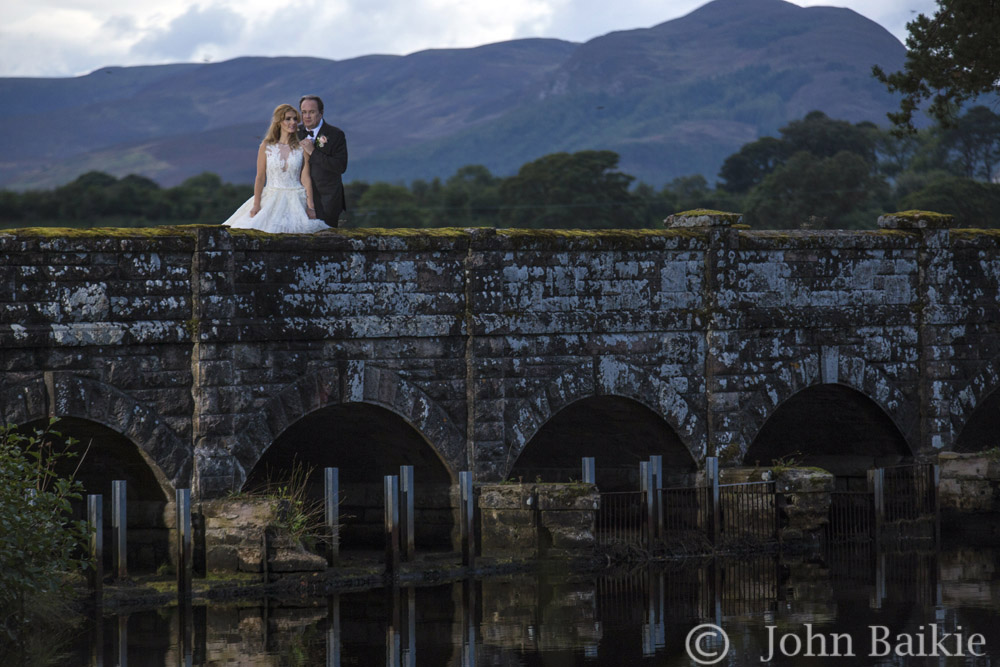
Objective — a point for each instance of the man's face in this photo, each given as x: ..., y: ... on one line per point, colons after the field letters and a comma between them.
x: 310, y: 114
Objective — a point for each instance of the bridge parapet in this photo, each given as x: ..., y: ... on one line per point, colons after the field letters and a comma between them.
x: 719, y: 326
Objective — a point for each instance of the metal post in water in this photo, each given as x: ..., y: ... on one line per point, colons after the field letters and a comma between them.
x: 649, y: 483
x: 118, y: 528
x: 184, y: 543
x: 391, y: 491
x: 331, y: 501
x: 712, y: 475
x: 409, y: 626
x: 122, y: 641
x: 407, y: 494
x: 935, y: 489
x: 589, y: 470
x: 333, y: 630
x: 467, y: 518
x: 876, y: 485
x: 95, y: 521
x: 97, y: 641
x: 656, y: 463
x: 185, y: 632
x: 469, y: 624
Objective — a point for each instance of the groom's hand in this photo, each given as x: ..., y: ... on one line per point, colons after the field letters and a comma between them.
x: 307, y: 146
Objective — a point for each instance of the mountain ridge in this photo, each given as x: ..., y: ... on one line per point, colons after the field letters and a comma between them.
x: 674, y: 99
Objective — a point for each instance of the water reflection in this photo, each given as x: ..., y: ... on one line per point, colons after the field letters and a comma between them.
x: 639, y: 616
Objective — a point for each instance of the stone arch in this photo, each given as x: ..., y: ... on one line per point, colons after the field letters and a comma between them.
x: 354, y: 382
x: 603, y: 376
x: 72, y: 396
x: 970, y: 398
x: 829, y: 367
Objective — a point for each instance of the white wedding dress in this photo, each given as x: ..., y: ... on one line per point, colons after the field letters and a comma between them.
x: 283, y: 200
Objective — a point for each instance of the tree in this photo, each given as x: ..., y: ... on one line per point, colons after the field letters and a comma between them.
x: 471, y: 197
x: 583, y: 189
x: 953, y: 57
x: 823, y: 136
x: 40, y: 541
x: 974, y: 141
x: 748, y: 167
x: 839, y: 192
x: 973, y: 203
x: 387, y: 205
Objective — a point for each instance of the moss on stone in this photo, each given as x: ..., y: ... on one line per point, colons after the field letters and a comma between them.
x: 916, y: 214
x: 971, y: 234
x: 725, y: 215
x: 914, y: 219
x: 106, y: 232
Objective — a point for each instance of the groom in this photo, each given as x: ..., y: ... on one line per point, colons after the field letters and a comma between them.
x: 326, y: 147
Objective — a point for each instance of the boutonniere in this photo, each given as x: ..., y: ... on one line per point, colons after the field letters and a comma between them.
x: 321, y: 140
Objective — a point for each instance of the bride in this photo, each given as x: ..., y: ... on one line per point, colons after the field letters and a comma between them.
x: 282, y: 199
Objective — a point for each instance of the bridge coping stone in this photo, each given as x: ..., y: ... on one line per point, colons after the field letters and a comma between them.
x: 916, y: 220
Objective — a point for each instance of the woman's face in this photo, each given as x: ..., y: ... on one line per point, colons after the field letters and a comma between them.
x: 290, y: 123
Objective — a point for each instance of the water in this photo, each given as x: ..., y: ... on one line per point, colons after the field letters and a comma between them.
x: 789, y: 607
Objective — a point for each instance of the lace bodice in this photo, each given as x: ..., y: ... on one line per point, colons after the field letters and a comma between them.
x: 284, y: 166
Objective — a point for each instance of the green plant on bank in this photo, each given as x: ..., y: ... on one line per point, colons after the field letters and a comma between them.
x: 298, y: 514
x: 992, y: 454
x: 40, y: 543
x: 783, y: 463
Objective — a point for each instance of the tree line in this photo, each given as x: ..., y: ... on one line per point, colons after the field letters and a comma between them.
x: 818, y: 172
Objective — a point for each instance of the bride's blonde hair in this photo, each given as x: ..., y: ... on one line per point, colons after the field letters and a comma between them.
x: 274, y: 132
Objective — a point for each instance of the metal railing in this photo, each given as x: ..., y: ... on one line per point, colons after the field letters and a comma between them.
x: 852, y: 516
x: 622, y: 518
x: 715, y: 513
x: 909, y: 492
x: 749, y: 511
x: 901, y: 502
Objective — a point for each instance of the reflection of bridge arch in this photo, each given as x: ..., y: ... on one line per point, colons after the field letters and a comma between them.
x: 852, y: 375
x: 975, y: 411
x: 82, y: 400
x: 359, y: 384
x: 611, y: 410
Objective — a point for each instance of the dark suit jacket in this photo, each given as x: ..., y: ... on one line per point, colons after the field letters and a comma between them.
x: 326, y: 165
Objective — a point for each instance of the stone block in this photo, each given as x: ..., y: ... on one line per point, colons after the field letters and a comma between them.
x: 569, y: 530
x: 292, y: 559
x: 222, y: 558
x: 507, y: 496
x: 249, y: 558
x: 509, y: 533
x: 568, y: 497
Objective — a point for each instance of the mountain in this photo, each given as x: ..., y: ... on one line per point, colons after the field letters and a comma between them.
x: 672, y: 100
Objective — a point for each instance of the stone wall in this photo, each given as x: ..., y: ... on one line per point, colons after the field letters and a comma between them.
x: 234, y: 538
x: 204, y: 345
x: 537, y: 520
x: 803, y: 500
x: 969, y: 494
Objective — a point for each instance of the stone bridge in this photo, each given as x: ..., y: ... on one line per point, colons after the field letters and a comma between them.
x: 206, y: 358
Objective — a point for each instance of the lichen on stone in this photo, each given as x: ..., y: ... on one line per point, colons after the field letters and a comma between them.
x: 915, y: 219
x: 703, y: 217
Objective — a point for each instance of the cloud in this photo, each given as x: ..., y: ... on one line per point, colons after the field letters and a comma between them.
x: 192, y: 30
x: 69, y: 37
x: 121, y: 25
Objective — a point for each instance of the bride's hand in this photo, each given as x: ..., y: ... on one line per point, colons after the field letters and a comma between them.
x: 310, y: 212
x: 254, y: 211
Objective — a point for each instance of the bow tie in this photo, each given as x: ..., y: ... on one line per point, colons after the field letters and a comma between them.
x: 310, y: 132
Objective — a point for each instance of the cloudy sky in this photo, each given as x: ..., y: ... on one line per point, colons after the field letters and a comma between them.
x: 72, y: 37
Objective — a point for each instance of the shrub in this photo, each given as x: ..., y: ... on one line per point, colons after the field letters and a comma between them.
x: 40, y: 544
